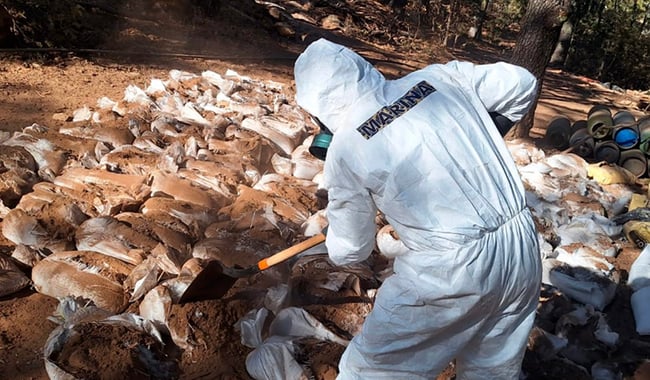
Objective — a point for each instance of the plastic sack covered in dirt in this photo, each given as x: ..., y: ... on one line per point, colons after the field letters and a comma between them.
x: 274, y: 357
x: 639, y: 276
x: 90, y: 340
x: 591, y: 230
x: 12, y: 279
x: 640, y: 301
x: 580, y: 284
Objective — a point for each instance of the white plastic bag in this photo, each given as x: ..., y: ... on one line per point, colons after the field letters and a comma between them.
x: 639, y: 276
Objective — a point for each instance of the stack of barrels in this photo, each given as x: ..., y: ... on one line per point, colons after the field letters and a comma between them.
x: 617, y: 138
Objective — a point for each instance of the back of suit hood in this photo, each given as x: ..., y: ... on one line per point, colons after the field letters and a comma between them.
x: 330, y: 78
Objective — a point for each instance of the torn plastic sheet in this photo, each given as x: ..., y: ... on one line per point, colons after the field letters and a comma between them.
x: 604, y: 332
x: 71, y: 313
x: 639, y: 281
x: 336, y: 281
x: 605, y: 371
x: 250, y: 327
x: 640, y: 301
x: 273, y: 357
x: 296, y: 322
x: 12, y: 279
x: 524, y: 152
x: 639, y: 276
x: 545, y: 343
x: 584, y: 315
x: 578, y: 255
x: 567, y: 165
x: 389, y: 244
x: 593, y: 231
x: 274, y: 360
x: 292, y: 322
x: 583, y: 285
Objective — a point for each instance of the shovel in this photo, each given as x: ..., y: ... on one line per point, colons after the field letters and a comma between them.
x: 214, y: 281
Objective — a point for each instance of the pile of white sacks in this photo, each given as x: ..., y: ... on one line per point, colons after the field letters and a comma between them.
x: 122, y: 202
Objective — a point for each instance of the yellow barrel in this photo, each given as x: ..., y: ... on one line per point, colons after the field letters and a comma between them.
x: 638, y: 232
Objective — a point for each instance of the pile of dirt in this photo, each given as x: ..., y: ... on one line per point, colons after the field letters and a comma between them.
x: 84, y: 355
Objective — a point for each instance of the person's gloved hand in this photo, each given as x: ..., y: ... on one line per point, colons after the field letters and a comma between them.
x: 503, y: 123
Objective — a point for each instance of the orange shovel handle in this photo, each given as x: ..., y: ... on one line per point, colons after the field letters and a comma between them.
x: 290, y: 252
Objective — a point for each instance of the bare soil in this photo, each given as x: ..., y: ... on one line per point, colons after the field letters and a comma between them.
x: 45, y: 89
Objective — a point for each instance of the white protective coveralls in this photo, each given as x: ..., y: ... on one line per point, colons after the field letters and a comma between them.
x: 434, y: 163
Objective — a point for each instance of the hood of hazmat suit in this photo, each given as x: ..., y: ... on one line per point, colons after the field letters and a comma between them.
x: 424, y: 151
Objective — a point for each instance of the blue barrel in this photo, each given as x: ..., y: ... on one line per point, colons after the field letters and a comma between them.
x: 626, y: 136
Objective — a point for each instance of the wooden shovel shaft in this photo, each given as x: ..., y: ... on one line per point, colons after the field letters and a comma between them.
x: 290, y: 252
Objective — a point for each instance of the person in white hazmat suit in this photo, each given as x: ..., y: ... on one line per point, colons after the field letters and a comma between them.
x: 425, y: 151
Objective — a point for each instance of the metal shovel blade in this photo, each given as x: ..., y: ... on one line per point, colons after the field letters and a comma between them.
x: 210, y: 283
x: 214, y: 281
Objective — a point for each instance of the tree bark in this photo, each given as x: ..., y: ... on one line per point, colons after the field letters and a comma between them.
x: 452, y: 9
x: 645, y: 20
x: 481, y: 19
x: 6, y: 23
x: 540, y: 31
x: 559, y: 56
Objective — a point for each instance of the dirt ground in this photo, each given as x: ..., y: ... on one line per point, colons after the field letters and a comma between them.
x: 46, y: 89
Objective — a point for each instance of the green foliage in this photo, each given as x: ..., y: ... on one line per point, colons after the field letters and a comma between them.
x: 611, y: 43
x: 610, y: 40
x: 500, y: 20
x: 503, y: 19
x: 431, y: 16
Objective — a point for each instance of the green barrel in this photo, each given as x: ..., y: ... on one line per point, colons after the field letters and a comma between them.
x: 600, y: 122
x: 644, y: 134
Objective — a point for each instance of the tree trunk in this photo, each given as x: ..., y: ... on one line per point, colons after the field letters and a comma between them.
x: 645, y: 20
x: 561, y: 51
x: 445, y: 38
x: 481, y: 19
x: 6, y: 23
x: 601, y: 9
x: 540, y: 31
x: 452, y: 9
